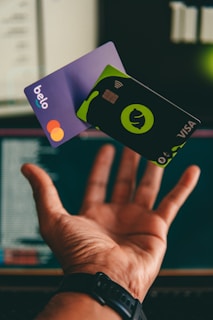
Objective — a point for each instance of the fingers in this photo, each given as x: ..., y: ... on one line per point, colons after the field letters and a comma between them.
x: 173, y: 201
x: 149, y: 186
x: 125, y: 180
x: 47, y: 201
x: 98, y: 179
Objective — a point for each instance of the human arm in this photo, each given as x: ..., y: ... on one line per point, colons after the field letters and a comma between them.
x: 126, y: 238
x: 76, y: 306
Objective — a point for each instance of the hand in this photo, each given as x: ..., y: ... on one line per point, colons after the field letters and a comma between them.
x: 125, y: 238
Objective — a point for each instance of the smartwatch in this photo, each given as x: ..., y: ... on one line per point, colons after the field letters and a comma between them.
x: 107, y: 292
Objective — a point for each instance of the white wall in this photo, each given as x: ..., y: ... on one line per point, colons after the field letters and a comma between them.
x: 69, y: 30
x: 40, y: 35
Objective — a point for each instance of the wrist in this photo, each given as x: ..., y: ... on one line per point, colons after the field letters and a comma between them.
x: 122, y: 273
x: 106, y: 292
x: 72, y: 305
x: 137, y: 286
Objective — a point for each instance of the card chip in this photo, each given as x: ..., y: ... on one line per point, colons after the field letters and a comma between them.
x: 110, y: 96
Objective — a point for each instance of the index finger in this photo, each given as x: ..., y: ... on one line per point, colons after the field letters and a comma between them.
x: 98, y: 179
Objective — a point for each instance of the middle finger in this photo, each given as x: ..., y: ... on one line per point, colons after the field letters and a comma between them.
x: 149, y: 186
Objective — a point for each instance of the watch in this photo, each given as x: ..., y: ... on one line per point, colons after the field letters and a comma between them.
x: 107, y: 292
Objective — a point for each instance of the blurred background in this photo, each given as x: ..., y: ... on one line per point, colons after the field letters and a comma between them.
x: 167, y: 45
x: 36, y: 38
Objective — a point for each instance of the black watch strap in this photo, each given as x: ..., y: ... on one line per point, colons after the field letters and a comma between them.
x: 106, y: 292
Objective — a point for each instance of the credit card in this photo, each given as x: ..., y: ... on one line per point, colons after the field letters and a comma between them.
x: 137, y: 116
x: 56, y: 97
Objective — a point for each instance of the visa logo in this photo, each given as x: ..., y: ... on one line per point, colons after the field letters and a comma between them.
x: 184, y: 132
x: 41, y: 100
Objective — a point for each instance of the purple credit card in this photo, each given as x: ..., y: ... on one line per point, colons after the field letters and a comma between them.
x: 56, y: 97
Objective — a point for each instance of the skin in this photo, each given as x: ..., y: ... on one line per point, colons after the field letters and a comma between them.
x: 125, y: 238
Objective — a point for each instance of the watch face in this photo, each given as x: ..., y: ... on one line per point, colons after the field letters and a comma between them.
x: 138, y: 117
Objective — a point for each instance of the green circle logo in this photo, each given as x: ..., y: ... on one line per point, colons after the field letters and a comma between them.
x: 137, y: 118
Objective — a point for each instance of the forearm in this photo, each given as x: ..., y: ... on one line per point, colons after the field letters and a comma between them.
x: 76, y: 306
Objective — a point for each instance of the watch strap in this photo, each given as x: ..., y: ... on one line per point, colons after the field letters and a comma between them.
x: 106, y: 292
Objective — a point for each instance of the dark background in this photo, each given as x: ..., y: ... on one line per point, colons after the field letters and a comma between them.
x: 141, y: 32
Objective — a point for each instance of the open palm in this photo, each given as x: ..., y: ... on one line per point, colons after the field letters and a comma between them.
x: 125, y: 238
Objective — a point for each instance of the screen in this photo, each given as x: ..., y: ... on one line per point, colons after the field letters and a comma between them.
x: 68, y: 166
x: 190, y: 240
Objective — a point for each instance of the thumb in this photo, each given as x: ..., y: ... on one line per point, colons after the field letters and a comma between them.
x: 48, y: 203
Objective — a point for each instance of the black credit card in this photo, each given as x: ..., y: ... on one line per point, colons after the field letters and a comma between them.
x: 138, y: 117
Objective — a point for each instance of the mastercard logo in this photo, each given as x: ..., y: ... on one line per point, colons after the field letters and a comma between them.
x: 55, y: 130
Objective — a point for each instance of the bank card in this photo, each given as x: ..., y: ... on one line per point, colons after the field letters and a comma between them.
x: 56, y: 97
x: 138, y: 117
